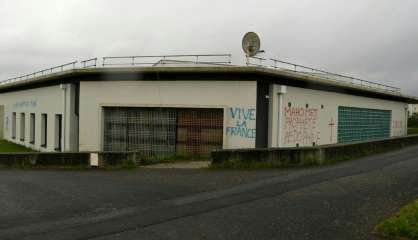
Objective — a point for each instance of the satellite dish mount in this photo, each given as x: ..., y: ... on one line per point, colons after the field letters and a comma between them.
x: 251, y: 45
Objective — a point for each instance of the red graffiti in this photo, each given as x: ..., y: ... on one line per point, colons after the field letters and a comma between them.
x: 300, y: 125
x: 397, y: 124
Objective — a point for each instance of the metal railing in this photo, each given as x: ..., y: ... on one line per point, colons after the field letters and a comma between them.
x: 89, y: 63
x: 220, y: 59
x: 43, y: 72
x: 213, y: 59
x: 152, y: 60
x: 279, y: 64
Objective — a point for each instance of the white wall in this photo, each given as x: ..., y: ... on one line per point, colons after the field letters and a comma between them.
x: 237, y: 98
x: 319, y: 124
x: 47, y: 100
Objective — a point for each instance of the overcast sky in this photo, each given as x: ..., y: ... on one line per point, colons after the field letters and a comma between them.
x: 376, y: 39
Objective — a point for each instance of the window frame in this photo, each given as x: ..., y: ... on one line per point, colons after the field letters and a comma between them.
x: 14, y: 121
x: 44, y: 130
x: 22, y: 130
x: 58, y: 132
x: 32, y: 128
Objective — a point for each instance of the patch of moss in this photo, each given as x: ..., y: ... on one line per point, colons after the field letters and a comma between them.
x: 173, y: 158
x: 245, y: 165
x: 402, y: 225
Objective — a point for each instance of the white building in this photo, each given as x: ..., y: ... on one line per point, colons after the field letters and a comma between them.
x: 194, y: 109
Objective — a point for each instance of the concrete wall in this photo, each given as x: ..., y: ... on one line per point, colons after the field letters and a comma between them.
x: 46, y: 100
x: 319, y: 123
x: 45, y: 159
x: 237, y: 98
x: 306, y: 156
x: 70, y: 159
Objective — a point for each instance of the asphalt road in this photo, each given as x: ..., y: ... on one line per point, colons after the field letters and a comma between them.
x: 342, y: 201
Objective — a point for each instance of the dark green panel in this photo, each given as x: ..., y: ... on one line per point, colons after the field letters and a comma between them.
x: 360, y: 124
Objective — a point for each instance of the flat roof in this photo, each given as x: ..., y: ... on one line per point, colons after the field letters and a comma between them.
x: 206, y: 72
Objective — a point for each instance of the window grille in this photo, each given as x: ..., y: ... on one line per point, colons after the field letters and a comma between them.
x: 163, y: 131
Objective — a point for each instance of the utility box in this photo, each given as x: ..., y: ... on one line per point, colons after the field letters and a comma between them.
x: 94, y: 160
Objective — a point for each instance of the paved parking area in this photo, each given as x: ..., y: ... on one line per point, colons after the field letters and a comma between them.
x: 342, y: 201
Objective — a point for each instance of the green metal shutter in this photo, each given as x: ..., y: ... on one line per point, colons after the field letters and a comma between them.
x: 360, y: 124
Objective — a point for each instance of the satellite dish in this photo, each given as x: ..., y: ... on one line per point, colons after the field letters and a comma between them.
x: 251, y: 44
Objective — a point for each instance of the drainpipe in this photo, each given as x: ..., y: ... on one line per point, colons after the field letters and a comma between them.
x: 282, y: 90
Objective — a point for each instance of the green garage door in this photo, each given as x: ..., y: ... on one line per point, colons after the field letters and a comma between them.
x: 360, y: 124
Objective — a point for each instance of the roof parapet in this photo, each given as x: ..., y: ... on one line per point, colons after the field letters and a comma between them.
x: 40, y: 73
x: 204, y: 60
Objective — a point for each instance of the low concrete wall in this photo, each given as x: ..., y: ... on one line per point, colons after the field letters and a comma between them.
x: 296, y: 157
x: 119, y: 159
x: 44, y: 159
x: 70, y: 159
x: 343, y: 152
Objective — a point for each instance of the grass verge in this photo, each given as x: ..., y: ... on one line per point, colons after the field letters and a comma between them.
x: 6, y: 146
x: 402, y: 225
x: 412, y: 131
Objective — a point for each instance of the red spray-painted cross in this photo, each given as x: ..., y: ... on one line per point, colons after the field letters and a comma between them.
x: 331, y: 125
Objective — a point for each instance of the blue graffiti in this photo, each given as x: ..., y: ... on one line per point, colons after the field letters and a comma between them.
x: 242, y: 116
x: 241, y: 130
x: 26, y: 104
x: 242, y: 113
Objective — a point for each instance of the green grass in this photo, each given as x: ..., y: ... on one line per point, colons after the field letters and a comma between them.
x: 412, y: 131
x: 403, y: 225
x: 6, y: 146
